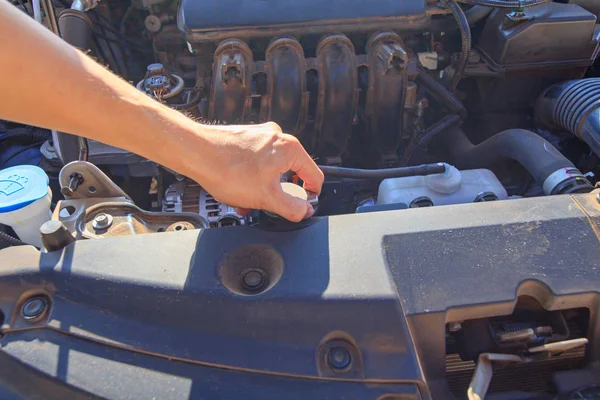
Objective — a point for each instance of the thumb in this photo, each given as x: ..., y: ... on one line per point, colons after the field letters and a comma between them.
x: 289, y: 207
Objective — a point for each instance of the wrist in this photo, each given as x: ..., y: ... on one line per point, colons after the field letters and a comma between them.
x: 180, y: 144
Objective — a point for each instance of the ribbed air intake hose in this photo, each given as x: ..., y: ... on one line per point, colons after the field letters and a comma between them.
x: 550, y: 169
x: 573, y: 106
x: 505, y: 3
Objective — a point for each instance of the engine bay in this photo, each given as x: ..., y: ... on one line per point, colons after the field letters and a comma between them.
x: 403, y: 105
x: 374, y: 86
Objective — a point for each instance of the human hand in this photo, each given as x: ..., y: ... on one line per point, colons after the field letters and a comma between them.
x: 246, y: 165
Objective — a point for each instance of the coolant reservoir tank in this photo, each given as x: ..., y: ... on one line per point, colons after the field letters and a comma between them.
x: 450, y: 187
x: 25, y: 201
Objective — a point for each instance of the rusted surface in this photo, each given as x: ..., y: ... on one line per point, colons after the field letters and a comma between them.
x: 231, y: 82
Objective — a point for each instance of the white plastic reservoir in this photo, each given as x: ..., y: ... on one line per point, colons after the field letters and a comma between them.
x: 25, y: 201
x: 450, y: 187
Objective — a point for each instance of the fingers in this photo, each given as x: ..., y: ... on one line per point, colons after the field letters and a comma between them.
x: 269, y: 126
x: 242, y: 211
x: 305, y: 167
x: 289, y: 207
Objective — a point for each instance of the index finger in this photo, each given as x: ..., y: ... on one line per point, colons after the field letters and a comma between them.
x: 307, y: 170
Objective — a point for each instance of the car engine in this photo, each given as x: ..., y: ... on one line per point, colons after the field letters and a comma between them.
x: 374, y: 86
x: 403, y: 104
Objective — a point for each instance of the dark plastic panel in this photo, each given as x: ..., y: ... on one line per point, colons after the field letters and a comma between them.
x: 552, y: 35
x: 217, y: 19
x: 112, y: 373
x: 383, y: 282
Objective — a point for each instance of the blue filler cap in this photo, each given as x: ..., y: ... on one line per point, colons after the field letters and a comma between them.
x: 21, y: 186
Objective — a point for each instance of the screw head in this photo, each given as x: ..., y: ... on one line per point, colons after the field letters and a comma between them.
x: 34, y: 308
x: 253, y: 280
x: 102, y: 221
x: 339, y: 358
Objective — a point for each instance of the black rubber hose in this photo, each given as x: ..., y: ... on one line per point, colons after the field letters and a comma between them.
x: 76, y: 29
x: 573, y: 106
x: 434, y: 130
x: 9, y: 241
x: 465, y: 42
x: 441, y: 94
x: 26, y: 135
x: 190, y: 104
x: 534, y: 153
x: 505, y: 3
x: 419, y: 170
x: 123, y: 24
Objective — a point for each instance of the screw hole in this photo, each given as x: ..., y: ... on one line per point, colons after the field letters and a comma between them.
x: 254, y: 281
x: 251, y: 270
x: 339, y: 359
x: 66, y: 212
x: 92, y: 189
x: 34, y: 308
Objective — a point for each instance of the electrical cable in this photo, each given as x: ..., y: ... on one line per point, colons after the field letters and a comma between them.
x: 99, y: 50
x: 129, y: 46
x: 465, y: 39
x: 123, y: 24
x: 112, y: 53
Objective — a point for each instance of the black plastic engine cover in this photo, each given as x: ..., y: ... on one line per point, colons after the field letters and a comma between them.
x: 218, y: 19
x: 552, y: 35
x: 167, y: 315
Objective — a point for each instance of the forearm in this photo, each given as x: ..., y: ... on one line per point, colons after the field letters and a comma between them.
x: 71, y: 93
x: 46, y: 82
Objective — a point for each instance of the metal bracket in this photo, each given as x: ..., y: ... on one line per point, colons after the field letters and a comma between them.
x: 83, y: 180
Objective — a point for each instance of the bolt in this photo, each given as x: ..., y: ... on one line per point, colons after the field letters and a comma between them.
x: 474, y: 57
x: 102, y: 221
x: 33, y: 308
x: 74, y: 181
x: 253, y: 280
x: 339, y: 358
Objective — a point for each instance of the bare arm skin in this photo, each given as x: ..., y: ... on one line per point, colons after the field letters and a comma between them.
x: 45, y: 82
